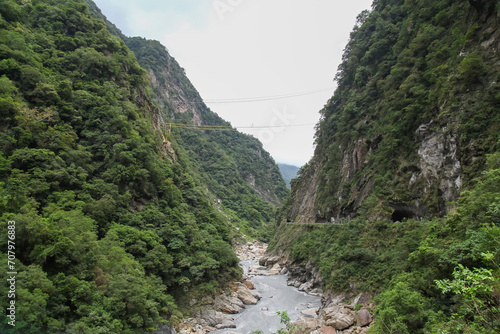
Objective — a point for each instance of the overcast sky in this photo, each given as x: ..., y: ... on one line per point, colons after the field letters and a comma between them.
x: 282, y: 55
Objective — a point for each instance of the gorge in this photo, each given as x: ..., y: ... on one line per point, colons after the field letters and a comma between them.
x: 125, y: 224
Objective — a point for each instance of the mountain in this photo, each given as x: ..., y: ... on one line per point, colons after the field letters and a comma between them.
x: 405, y: 170
x: 112, y: 228
x: 289, y: 172
x: 234, y: 166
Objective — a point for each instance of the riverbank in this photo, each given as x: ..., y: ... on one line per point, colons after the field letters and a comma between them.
x: 217, y: 313
x: 271, y: 283
x: 347, y: 313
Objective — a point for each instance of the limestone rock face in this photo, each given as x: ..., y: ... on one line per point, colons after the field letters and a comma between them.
x: 311, y: 312
x: 307, y: 323
x: 275, y: 270
x: 269, y: 260
x: 215, y: 319
x: 307, y: 279
x: 439, y: 162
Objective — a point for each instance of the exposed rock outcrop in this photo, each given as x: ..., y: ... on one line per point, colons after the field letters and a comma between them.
x: 243, y: 293
x: 229, y: 304
x: 363, y: 318
x: 338, y: 317
x: 302, y: 209
x: 211, y: 318
x: 439, y: 163
x: 307, y: 279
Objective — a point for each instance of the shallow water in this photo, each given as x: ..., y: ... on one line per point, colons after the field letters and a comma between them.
x: 276, y: 296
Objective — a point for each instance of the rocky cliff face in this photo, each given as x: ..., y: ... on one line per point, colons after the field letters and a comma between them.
x: 413, y: 117
x: 224, y: 159
x: 179, y: 102
x: 173, y: 92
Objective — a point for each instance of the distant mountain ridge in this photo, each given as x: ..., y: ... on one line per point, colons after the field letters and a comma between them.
x: 289, y: 172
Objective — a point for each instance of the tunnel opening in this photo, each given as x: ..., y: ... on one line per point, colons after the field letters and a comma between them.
x: 401, y: 215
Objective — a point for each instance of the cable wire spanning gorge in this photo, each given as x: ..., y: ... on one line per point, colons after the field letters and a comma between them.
x: 167, y: 127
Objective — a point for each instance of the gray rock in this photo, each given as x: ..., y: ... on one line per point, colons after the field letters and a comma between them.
x: 310, y: 312
x: 268, y: 260
x: 212, y: 318
x: 362, y: 298
x: 316, y: 292
x: 244, y: 294
x: 307, y: 323
x: 363, y: 318
x: 338, y: 317
x: 328, y: 330
x: 306, y: 286
x: 226, y: 324
x: 229, y: 304
x: 165, y: 329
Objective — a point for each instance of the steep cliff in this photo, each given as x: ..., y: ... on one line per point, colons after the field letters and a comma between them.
x: 234, y: 166
x: 243, y: 178
x: 406, y: 172
x: 112, y: 229
x: 414, y: 115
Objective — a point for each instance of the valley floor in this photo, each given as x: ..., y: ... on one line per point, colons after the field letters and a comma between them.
x: 270, y: 285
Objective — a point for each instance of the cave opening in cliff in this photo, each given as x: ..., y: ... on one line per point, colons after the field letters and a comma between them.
x: 401, y: 215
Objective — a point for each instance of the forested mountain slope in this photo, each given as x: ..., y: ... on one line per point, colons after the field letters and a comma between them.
x: 112, y: 225
x: 234, y: 166
x: 415, y: 113
x: 406, y: 169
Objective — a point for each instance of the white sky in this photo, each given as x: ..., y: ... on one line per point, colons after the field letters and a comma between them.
x: 238, y: 49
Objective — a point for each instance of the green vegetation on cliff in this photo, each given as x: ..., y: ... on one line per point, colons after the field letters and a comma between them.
x: 112, y: 228
x: 234, y: 166
x: 407, y: 167
x: 416, y: 109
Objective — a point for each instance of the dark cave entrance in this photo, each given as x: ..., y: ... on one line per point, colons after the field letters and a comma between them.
x: 401, y: 215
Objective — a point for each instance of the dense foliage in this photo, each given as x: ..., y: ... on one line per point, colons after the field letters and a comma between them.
x: 110, y: 231
x: 234, y: 166
x: 410, y: 67
x: 441, y: 275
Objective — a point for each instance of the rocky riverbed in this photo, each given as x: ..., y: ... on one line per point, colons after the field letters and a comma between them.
x: 211, y: 314
x: 347, y: 313
x: 244, y: 308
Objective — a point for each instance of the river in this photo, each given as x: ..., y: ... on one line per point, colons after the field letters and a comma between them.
x: 276, y: 296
